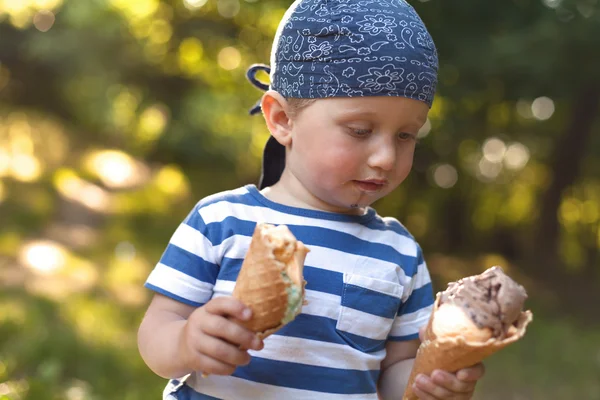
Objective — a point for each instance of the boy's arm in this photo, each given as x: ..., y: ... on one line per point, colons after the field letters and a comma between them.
x: 158, y: 336
x: 396, y: 368
x: 175, y: 339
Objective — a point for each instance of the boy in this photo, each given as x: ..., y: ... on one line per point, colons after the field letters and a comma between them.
x: 351, y: 85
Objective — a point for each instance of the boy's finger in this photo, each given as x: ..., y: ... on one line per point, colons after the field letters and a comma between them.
x: 422, y: 395
x: 471, y: 374
x: 451, y: 382
x: 429, y: 387
x: 228, y: 306
x: 230, y: 331
x: 223, y: 351
x: 209, y: 366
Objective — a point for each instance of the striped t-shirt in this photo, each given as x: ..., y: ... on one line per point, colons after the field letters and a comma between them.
x: 367, y: 283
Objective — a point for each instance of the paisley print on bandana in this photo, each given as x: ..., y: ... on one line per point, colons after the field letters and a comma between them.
x: 348, y: 48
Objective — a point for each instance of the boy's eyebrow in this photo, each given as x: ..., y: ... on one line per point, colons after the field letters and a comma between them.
x: 356, y: 112
x: 348, y: 113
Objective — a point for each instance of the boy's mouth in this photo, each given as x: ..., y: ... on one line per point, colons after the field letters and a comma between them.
x: 371, y: 185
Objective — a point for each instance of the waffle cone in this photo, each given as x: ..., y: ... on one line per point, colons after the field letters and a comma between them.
x: 454, y: 353
x: 260, y: 284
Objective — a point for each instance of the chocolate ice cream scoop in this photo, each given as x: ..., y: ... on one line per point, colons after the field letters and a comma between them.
x: 492, y: 299
x: 474, y: 318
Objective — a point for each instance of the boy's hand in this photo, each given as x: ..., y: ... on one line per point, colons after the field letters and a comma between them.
x: 212, y: 342
x: 446, y: 385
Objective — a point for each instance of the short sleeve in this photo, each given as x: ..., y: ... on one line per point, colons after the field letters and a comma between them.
x: 188, y: 268
x: 417, y: 303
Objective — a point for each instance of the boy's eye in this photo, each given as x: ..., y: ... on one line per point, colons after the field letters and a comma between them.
x: 360, y: 132
x: 404, y: 136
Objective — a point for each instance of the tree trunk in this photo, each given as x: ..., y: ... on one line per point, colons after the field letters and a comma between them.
x: 566, y: 164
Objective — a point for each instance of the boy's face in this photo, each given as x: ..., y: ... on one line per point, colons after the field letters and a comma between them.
x: 346, y: 153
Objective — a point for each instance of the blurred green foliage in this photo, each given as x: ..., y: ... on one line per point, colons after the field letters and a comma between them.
x: 116, y: 116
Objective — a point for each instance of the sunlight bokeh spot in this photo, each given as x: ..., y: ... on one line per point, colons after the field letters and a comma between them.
x: 138, y: 9
x: 80, y: 191
x: 425, y: 129
x: 5, y: 161
x: 160, y: 31
x: 47, y: 4
x: 229, y: 58
x: 25, y: 167
x: 542, y: 108
x: 12, y: 7
x: 44, y: 20
x: 125, y: 102
x: 153, y: 122
x: 140, y: 28
x: 14, y: 389
x: 228, y: 8
x: 115, y: 168
x: 489, y: 170
x: 445, y: 176
x: 190, y: 55
x: 519, y: 206
x: 44, y: 257
x: 590, y: 212
x: 21, y: 19
x: 78, y: 390
x: 171, y: 180
x: 125, y: 251
x: 19, y: 132
x: 194, y: 4
x: 494, y: 149
x: 516, y: 156
x: 570, y: 211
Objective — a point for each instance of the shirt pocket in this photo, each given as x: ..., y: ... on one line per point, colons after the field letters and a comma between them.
x: 368, y: 309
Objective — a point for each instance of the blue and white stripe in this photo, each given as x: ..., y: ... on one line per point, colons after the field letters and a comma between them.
x: 367, y: 284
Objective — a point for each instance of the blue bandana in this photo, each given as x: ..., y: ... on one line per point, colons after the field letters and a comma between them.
x: 349, y: 48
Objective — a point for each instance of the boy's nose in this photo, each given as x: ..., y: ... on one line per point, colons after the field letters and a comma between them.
x: 383, y: 157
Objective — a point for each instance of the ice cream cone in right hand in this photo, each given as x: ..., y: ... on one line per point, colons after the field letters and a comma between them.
x: 453, y: 341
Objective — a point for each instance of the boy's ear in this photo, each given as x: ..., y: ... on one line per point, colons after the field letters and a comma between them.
x: 275, y: 110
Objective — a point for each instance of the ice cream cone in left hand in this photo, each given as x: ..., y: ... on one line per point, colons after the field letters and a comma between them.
x: 271, y: 281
